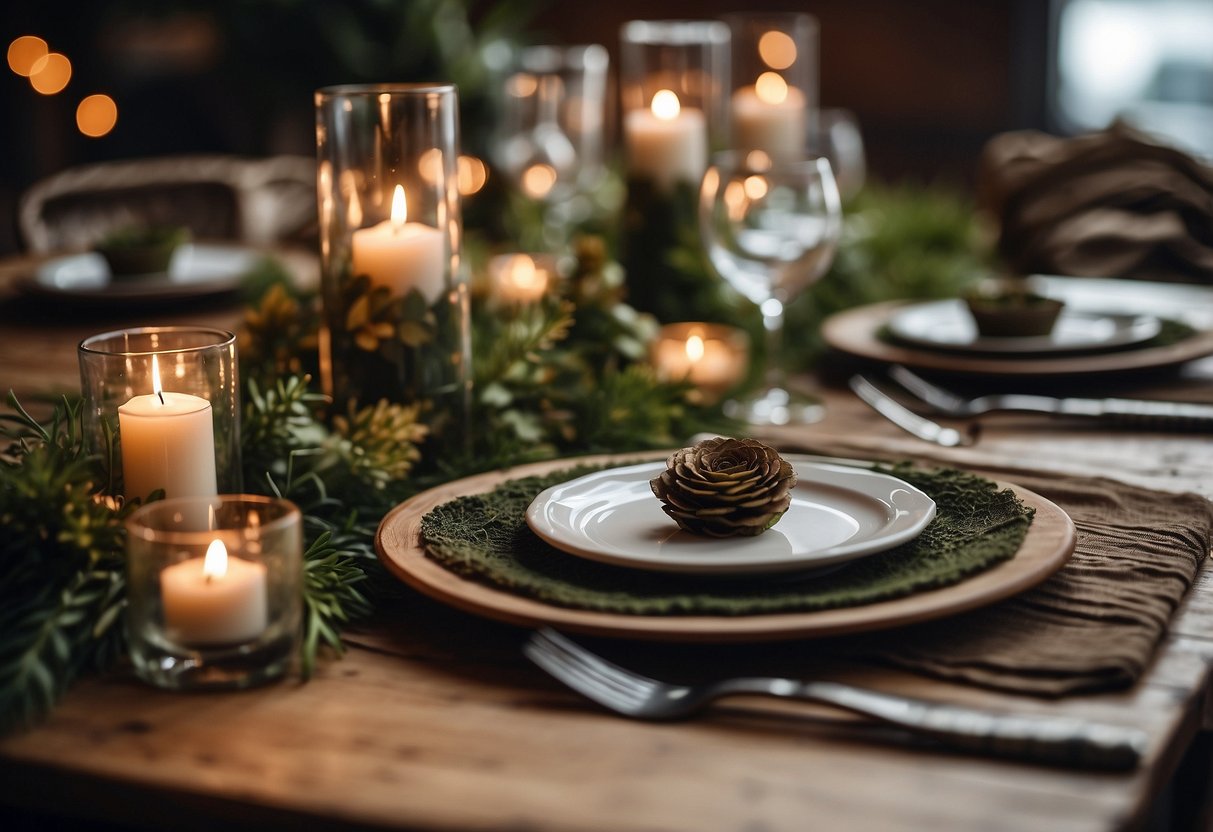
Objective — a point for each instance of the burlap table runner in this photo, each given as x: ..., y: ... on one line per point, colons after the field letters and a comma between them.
x: 1096, y: 623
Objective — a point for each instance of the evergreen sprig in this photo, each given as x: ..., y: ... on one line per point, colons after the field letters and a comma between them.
x: 62, y: 585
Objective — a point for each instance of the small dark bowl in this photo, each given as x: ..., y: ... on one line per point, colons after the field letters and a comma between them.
x: 1015, y: 317
x: 141, y: 251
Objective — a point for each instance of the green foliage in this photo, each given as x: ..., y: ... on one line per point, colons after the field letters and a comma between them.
x: 61, y: 562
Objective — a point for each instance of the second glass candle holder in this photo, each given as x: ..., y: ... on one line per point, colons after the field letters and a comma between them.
x: 396, y: 303
x: 214, y: 587
x: 163, y: 405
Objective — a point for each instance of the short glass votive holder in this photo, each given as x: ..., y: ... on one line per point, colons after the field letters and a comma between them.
x: 214, y: 588
x: 774, y: 87
x: 163, y: 404
x: 395, y: 293
x: 714, y: 358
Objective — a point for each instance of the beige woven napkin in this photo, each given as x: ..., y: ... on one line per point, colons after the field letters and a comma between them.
x: 1096, y: 623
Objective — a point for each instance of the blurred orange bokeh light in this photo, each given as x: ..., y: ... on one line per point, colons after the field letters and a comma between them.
x: 96, y: 115
x: 24, y: 52
x: 51, y: 73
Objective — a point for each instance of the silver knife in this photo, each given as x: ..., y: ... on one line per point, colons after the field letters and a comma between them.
x: 905, y: 419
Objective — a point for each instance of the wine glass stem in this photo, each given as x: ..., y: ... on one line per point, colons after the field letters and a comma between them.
x: 772, y: 323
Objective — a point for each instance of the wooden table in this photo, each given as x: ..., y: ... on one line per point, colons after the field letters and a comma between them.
x: 434, y: 721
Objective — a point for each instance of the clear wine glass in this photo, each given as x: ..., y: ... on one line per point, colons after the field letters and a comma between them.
x: 771, y: 230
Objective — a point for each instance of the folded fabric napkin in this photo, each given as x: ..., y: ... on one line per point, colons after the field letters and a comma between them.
x: 1108, y: 204
x: 1096, y: 623
x: 1092, y: 626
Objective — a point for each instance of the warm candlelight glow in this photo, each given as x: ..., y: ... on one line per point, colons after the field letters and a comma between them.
x: 96, y: 115
x: 695, y: 348
x: 518, y: 278
x: 758, y: 160
x: 712, y: 357
x: 771, y: 88
x: 50, y: 73
x: 538, y: 180
x: 24, y: 52
x: 756, y: 187
x: 473, y: 174
x: 214, y: 566
x: 777, y: 50
x: 522, y: 85
x: 400, y: 207
x: 429, y: 166
x: 735, y: 200
x: 666, y: 105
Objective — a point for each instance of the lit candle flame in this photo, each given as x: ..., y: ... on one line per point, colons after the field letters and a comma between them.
x: 771, y: 88
x: 694, y: 348
x: 156, y: 388
x: 666, y: 105
x: 214, y: 565
x: 400, y: 208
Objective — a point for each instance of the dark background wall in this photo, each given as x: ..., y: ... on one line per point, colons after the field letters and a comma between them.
x: 930, y: 80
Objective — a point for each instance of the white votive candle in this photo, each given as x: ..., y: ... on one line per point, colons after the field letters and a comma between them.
x: 712, y: 357
x: 666, y: 143
x: 214, y: 600
x: 772, y: 117
x: 517, y: 278
x: 168, y: 442
x: 401, y: 255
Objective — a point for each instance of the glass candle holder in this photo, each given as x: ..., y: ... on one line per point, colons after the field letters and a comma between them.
x: 162, y: 404
x: 214, y: 589
x: 396, y: 306
x: 550, y: 140
x: 673, y: 75
x: 774, y: 96
x: 713, y: 357
x: 673, y: 79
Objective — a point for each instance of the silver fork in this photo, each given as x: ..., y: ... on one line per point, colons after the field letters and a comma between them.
x: 1058, y: 740
x: 1140, y: 412
x: 907, y: 420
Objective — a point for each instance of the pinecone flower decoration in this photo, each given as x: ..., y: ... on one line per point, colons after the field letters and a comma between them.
x: 726, y: 487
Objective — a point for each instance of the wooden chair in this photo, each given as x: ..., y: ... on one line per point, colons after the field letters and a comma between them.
x: 255, y: 201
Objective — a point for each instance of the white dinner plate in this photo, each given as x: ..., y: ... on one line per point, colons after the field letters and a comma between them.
x: 947, y: 325
x: 196, y: 270
x: 837, y: 514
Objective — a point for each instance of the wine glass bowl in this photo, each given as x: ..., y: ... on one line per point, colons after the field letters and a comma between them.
x: 771, y: 230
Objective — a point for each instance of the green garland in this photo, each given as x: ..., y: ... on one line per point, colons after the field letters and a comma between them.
x: 560, y: 377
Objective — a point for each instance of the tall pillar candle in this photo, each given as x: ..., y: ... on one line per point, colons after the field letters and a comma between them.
x: 401, y: 255
x: 666, y: 143
x: 770, y: 116
x: 168, y: 442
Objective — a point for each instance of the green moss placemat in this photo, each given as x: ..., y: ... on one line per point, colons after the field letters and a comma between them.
x: 485, y: 537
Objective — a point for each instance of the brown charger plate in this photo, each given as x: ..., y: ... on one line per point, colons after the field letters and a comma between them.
x: 1045, y: 549
x: 857, y: 331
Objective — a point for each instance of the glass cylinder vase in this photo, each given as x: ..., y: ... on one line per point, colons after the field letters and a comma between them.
x: 673, y: 78
x: 396, y: 304
x: 550, y: 140
x: 162, y: 405
x: 214, y: 589
x: 773, y: 100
